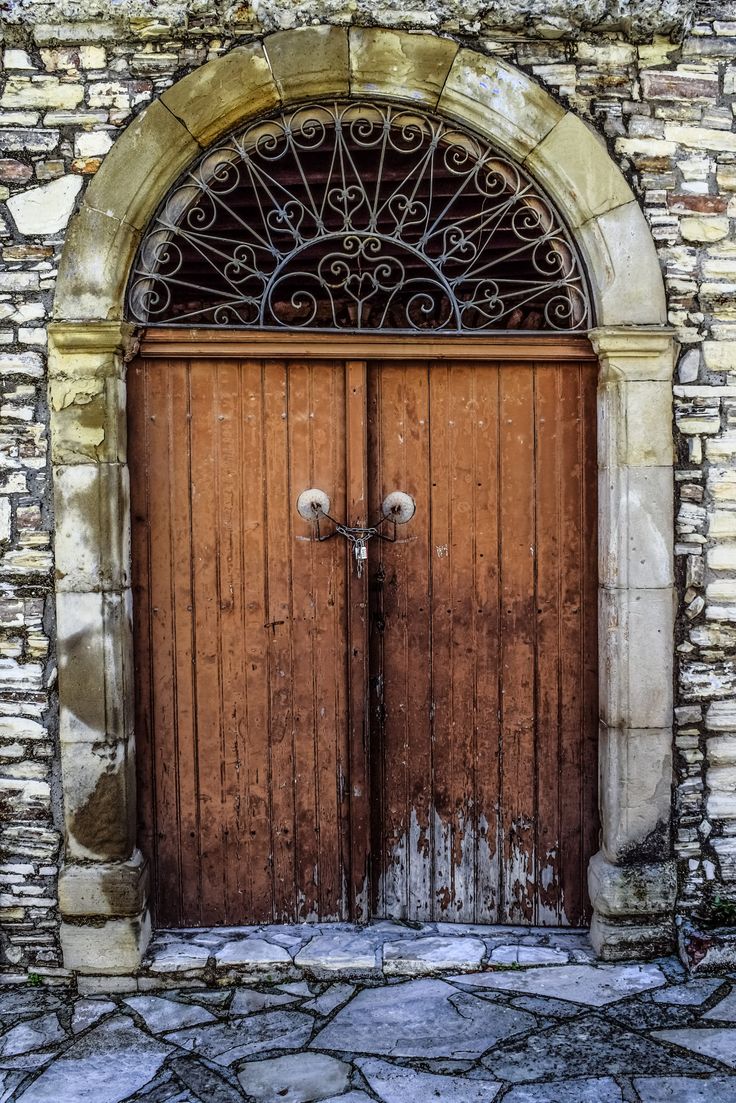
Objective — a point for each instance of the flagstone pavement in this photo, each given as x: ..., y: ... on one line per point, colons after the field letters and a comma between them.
x: 393, y: 1013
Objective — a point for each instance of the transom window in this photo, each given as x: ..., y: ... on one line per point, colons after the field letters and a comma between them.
x: 358, y: 216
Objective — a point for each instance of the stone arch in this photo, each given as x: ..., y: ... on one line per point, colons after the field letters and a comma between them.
x: 103, y: 888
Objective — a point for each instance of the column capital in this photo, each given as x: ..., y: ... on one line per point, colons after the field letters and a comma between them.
x: 634, y: 352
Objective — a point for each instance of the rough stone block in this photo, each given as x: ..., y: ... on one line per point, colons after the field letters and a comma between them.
x: 636, y: 648
x: 104, y: 888
x: 617, y: 941
x: 622, y: 260
x: 635, y: 527
x: 46, y: 209
x: 573, y: 163
x: 500, y: 102
x: 94, y: 267
x: 635, y: 771
x: 142, y: 164
x: 393, y: 63
x: 113, y: 947
x: 99, y: 801
x: 93, y: 527
x: 635, y: 424
x: 629, y: 891
x: 309, y: 62
x: 94, y: 633
x: 224, y: 92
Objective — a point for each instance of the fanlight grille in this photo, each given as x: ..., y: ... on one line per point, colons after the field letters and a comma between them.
x: 357, y: 216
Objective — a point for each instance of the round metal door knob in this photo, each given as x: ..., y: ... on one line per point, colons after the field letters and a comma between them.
x: 311, y: 503
x: 398, y: 507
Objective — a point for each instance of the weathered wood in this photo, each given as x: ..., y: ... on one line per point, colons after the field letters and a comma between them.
x: 303, y: 757
x: 171, y: 343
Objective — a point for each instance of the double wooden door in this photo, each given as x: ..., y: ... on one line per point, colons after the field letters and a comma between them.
x: 418, y: 742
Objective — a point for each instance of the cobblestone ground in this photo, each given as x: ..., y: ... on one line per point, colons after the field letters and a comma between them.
x: 383, y: 1014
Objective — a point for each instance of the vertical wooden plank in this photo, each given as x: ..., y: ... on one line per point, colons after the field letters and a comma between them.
x: 330, y: 645
x: 441, y: 550
x: 486, y: 642
x: 207, y: 598
x: 356, y: 478
x: 515, y: 476
x: 257, y: 755
x: 279, y: 622
x: 137, y: 381
x: 303, y: 402
x: 230, y: 572
x: 399, y: 441
x: 548, y: 479
x: 589, y: 780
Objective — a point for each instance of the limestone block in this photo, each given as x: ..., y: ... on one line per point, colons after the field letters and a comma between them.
x: 632, y: 890
x: 636, y: 647
x: 635, y: 424
x: 698, y: 137
x: 93, y: 527
x: 720, y: 355
x: 88, y: 417
x: 624, y: 268
x: 634, y: 353
x: 574, y: 164
x: 722, y: 557
x: 104, y: 888
x: 94, y: 267
x: 704, y: 229
x: 229, y: 90
x: 614, y: 940
x: 114, y: 947
x: 721, y: 716
x: 308, y: 62
x: 95, y: 143
x: 501, y: 102
x: 94, y: 644
x: 635, y: 528
x: 41, y: 92
x: 635, y: 769
x: 99, y: 800
x: 46, y: 209
x: 141, y: 166
x: 393, y: 63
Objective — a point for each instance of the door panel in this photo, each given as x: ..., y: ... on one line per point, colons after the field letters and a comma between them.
x: 484, y: 641
x: 241, y: 635
x: 417, y: 743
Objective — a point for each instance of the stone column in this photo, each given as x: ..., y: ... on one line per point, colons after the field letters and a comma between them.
x: 632, y: 878
x: 103, y: 883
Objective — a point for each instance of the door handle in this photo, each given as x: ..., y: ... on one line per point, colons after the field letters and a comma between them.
x: 397, y: 508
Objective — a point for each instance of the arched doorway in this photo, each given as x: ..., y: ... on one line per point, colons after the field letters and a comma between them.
x: 337, y: 716
x: 104, y: 882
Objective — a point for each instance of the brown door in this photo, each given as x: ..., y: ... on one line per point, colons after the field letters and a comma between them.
x: 484, y: 653
x: 418, y: 742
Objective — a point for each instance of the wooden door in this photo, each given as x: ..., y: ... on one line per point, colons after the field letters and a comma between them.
x: 484, y: 653
x: 243, y: 628
x: 417, y: 743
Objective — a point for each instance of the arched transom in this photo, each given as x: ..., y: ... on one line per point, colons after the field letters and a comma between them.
x: 358, y: 216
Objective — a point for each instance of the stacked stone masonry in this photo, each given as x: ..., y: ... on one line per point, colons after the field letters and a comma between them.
x: 658, y: 81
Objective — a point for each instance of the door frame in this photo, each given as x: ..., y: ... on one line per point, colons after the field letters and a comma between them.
x: 103, y: 889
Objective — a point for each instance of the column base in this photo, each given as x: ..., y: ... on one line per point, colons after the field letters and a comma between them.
x: 106, y: 926
x: 633, y: 908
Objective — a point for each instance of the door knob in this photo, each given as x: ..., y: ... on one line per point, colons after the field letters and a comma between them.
x: 397, y: 508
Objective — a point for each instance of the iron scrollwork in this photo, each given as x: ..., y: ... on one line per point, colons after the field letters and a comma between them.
x: 357, y: 216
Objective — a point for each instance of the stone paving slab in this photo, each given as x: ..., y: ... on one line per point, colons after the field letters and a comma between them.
x: 577, y: 1032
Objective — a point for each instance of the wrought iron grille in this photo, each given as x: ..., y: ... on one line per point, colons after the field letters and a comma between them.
x: 358, y: 216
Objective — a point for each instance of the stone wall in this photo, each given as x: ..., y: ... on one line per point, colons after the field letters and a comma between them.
x: 77, y: 72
